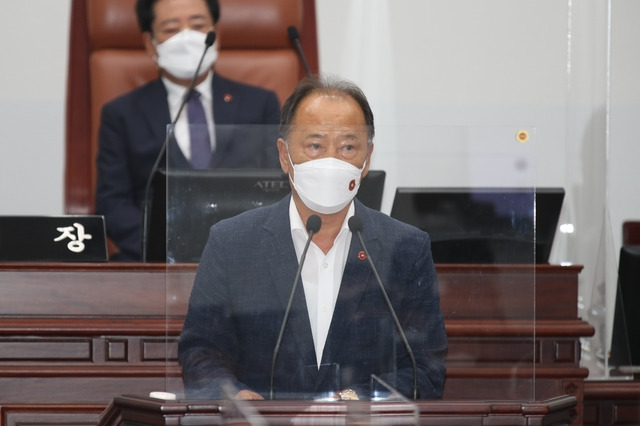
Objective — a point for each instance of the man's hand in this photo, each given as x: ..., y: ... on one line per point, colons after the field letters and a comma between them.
x: 248, y: 395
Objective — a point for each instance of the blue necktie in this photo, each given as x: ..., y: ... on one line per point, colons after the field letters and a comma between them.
x: 199, y: 132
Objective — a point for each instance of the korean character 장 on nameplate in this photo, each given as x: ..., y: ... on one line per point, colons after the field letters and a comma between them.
x: 53, y: 239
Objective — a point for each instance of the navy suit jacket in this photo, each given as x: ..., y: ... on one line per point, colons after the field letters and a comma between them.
x: 133, y: 130
x: 242, y: 288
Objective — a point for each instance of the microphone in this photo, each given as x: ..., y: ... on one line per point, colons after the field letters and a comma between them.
x: 356, y: 227
x: 294, y: 36
x: 208, y: 42
x: 313, y: 226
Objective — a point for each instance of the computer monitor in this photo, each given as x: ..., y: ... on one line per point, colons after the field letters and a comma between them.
x: 200, y: 198
x: 483, y: 225
x: 624, y: 356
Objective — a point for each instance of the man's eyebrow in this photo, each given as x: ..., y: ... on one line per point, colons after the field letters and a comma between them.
x: 168, y: 21
x: 177, y: 20
x: 315, y: 135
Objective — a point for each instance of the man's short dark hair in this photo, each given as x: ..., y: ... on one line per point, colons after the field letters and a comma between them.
x: 144, y: 10
x: 329, y: 86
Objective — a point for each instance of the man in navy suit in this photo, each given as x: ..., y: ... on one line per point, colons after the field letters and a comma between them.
x: 339, y: 332
x: 133, y: 127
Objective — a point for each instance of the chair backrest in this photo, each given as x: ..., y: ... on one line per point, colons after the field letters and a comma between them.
x: 107, y: 59
x: 631, y: 233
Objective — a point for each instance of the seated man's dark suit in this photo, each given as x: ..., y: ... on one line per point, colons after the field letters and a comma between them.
x: 133, y: 129
x: 242, y: 288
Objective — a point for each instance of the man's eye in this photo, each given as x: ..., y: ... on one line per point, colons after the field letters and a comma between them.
x: 168, y: 32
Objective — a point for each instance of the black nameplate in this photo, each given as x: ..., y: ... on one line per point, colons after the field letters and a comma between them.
x: 53, y: 239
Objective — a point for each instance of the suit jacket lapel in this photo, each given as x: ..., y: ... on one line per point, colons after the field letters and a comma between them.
x: 283, y: 265
x: 155, y: 111
x: 224, y: 113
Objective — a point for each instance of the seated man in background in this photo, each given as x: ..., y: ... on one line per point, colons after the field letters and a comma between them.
x: 133, y: 127
x: 340, y: 329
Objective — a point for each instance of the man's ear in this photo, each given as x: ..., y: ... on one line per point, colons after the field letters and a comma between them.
x: 366, y: 169
x: 149, y: 47
x: 283, y: 155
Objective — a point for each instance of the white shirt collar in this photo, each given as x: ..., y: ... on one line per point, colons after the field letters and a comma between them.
x: 175, y: 92
x: 175, y: 95
x: 297, y: 225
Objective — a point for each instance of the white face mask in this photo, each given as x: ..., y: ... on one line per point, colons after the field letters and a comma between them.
x: 326, y: 185
x: 179, y: 55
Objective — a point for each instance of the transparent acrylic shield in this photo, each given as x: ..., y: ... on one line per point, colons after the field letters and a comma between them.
x: 488, y: 253
x: 473, y: 189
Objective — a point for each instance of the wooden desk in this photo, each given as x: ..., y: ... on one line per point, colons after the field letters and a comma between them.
x: 127, y: 410
x: 73, y: 336
x: 612, y: 402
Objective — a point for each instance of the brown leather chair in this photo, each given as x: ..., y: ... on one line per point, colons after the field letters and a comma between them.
x: 631, y: 233
x: 107, y: 58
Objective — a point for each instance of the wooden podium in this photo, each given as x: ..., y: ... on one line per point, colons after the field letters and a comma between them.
x: 74, y: 336
x: 133, y: 410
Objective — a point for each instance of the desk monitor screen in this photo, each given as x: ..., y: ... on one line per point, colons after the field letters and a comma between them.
x: 483, y: 225
x: 201, y: 198
x: 625, y: 340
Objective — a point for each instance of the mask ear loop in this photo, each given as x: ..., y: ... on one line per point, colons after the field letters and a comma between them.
x: 367, y: 157
x: 292, y: 165
x: 154, y: 43
x: 289, y: 154
x: 364, y: 165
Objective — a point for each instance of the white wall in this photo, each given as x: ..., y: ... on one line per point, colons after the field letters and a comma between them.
x: 623, y: 197
x: 450, y: 83
x: 33, y: 42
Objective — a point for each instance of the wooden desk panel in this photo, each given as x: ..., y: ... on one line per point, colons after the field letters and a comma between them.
x: 509, y: 291
x: 467, y: 291
x: 74, y: 334
x: 612, y: 402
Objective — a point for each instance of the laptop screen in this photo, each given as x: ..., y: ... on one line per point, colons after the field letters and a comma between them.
x: 483, y: 225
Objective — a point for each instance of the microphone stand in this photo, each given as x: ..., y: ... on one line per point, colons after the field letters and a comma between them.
x: 294, y: 36
x: 355, y: 225
x: 313, y: 225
